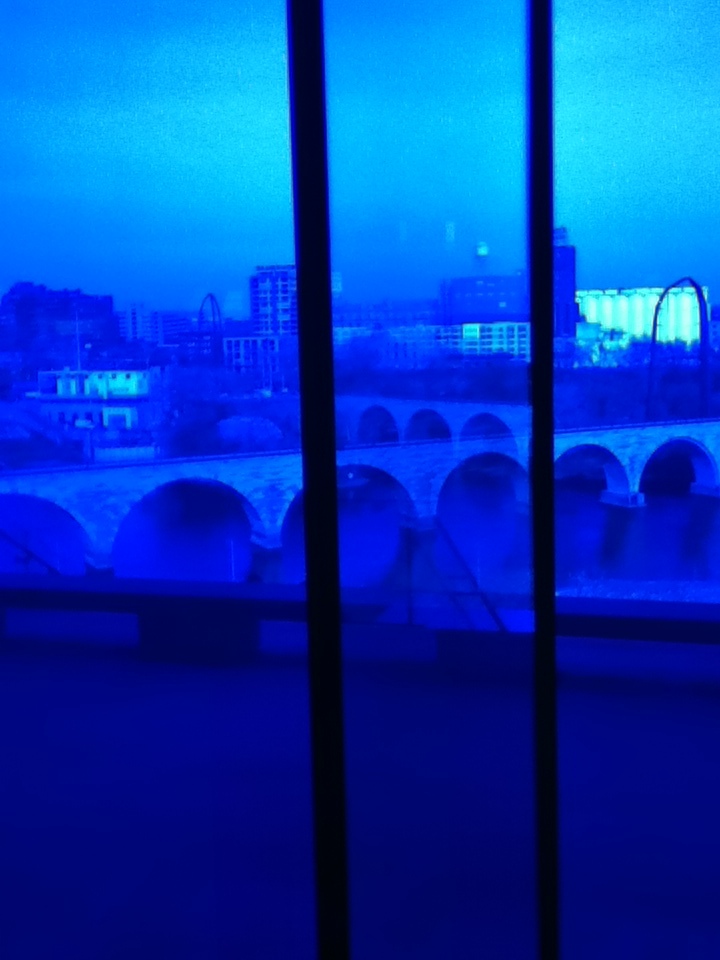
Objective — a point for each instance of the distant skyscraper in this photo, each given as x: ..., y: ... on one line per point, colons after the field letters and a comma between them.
x: 565, y: 279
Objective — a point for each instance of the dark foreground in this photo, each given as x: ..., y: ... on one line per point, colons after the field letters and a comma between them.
x: 164, y: 811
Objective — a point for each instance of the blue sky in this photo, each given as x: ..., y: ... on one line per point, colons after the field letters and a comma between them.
x: 145, y: 145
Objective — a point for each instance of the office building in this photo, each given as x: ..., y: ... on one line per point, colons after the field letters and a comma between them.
x: 485, y: 299
x: 273, y: 301
x: 509, y: 339
x: 387, y: 313
x: 138, y: 323
x: 257, y: 358
x: 119, y: 400
x: 566, y: 313
x: 36, y: 319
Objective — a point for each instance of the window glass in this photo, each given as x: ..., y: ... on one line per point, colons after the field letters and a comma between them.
x: 149, y: 429
x: 637, y: 458
x: 428, y: 211
x: 148, y: 414
x: 637, y: 472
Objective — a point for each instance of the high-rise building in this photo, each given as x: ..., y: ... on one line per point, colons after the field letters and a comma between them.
x: 273, y: 301
x: 566, y: 314
x: 138, y: 323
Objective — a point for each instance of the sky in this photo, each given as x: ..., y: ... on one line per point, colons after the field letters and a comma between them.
x: 145, y: 146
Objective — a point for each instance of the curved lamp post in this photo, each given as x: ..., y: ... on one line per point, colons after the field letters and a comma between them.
x: 704, y: 345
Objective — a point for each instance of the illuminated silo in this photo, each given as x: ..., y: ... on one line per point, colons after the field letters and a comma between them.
x: 621, y: 320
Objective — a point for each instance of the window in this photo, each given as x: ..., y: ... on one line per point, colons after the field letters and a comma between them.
x: 440, y: 529
x: 146, y: 162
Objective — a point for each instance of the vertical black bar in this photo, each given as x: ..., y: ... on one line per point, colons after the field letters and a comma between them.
x: 306, y: 65
x: 540, y: 236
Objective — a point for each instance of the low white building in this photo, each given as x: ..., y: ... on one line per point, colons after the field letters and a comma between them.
x: 115, y: 400
x: 509, y: 338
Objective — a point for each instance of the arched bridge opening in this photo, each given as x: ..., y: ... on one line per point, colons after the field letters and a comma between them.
x: 483, y: 523
x: 377, y: 425
x: 40, y: 537
x: 680, y: 533
x: 193, y: 529
x: 679, y: 467
x: 374, y: 513
x: 591, y: 469
x: 427, y: 425
x: 488, y: 427
x: 591, y: 536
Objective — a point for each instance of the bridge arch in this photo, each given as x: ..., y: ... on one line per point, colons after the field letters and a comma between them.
x: 375, y: 510
x: 427, y: 424
x: 39, y: 536
x: 482, y: 519
x: 188, y: 529
x: 595, y: 467
x: 681, y: 465
x: 485, y: 426
x: 377, y: 425
x: 493, y: 430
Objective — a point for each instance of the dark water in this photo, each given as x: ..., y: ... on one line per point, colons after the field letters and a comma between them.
x: 672, y: 539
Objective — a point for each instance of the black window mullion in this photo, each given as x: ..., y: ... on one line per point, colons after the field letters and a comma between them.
x: 306, y: 66
x: 541, y: 255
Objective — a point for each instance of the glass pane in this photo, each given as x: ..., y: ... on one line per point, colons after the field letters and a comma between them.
x: 431, y: 322
x: 149, y: 432
x: 637, y: 475
x: 637, y: 464
x: 146, y: 370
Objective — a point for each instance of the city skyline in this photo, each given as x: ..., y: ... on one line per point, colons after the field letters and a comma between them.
x: 146, y: 150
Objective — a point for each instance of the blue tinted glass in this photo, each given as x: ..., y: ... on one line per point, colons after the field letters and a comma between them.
x: 149, y: 377
x: 637, y: 474
x: 431, y: 324
x: 636, y: 359
x: 149, y: 429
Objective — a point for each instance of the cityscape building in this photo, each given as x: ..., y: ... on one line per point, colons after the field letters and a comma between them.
x: 112, y: 403
x: 256, y: 357
x: 629, y: 311
x: 139, y: 323
x: 273, y: 301
x: 566, y: 314
x: 387, y: 313
x: 485, y: 299
x: 36, y: 319
x: 511, y: 339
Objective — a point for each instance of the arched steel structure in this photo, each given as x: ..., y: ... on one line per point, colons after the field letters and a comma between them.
x: 704, y: 346
x: 209, y: 315
x: 210, y: 328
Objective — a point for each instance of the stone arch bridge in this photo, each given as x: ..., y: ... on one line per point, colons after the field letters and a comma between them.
x: 100, y: 496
